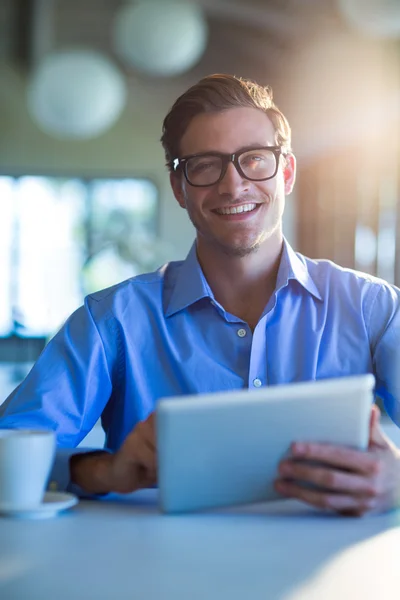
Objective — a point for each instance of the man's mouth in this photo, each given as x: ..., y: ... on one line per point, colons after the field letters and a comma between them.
x: 234, y: 210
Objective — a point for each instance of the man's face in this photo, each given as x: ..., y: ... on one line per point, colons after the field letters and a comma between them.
x: 244, y: 232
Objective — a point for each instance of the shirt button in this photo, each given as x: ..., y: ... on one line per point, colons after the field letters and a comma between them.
x: 241, y: 332
x: 257, y: 382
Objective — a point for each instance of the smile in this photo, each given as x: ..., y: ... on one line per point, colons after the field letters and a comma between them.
x: 233, y: 210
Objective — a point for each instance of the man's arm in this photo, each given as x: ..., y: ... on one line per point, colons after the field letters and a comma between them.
x: 68, y: 387
x: 357, y: 482
x: 385, y: 348
x: 66, y: 391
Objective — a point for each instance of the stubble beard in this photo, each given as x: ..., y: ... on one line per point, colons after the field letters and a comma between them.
x: 234, y: 250
x: 238, y: 251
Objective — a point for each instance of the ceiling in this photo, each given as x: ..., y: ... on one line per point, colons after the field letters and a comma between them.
x: 246, y: 37
x: 320, y: 69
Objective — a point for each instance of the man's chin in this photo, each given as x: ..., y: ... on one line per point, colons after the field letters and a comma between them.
x: 239, y: 251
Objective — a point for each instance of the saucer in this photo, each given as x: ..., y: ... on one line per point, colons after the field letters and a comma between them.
x: 53, y: 503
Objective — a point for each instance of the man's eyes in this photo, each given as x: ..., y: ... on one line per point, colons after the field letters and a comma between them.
x: 257, y: 158
x: 203, y: 166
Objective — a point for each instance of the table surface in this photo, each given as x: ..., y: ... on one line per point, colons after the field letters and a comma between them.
x: 123, y: 547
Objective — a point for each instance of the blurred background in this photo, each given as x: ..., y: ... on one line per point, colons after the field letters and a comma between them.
x: 84, y: 86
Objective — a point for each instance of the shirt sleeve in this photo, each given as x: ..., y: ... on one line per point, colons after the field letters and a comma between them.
x: 384, y: 330
x: 68, y: 387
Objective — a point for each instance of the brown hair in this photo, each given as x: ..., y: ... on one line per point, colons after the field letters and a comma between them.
x: 216, y: 93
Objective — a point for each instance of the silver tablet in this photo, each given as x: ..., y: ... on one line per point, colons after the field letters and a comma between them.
x: 222, y: 449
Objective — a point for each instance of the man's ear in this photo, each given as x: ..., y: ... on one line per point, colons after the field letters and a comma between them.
x: 289, y: 172
x: 176, y: 185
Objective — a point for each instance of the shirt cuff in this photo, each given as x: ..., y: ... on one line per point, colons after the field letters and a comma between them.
x: 60, y: 477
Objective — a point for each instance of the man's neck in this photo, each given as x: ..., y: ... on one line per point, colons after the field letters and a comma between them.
x: 243, y: 284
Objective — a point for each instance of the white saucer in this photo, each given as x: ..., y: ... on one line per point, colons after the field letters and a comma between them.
x: 53, y: 503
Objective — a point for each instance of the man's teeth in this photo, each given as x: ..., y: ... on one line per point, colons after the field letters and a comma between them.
x: 236, y: 209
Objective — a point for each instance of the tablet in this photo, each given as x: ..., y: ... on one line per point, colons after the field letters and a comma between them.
x: 223, y: 448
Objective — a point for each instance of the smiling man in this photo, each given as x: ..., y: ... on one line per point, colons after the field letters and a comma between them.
x: 242, y: 311
x: 234, y: 182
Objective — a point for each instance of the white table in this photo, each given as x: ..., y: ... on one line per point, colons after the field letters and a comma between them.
x: 122, y: 547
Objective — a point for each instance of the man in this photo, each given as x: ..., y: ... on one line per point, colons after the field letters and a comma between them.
x: 243, y: 310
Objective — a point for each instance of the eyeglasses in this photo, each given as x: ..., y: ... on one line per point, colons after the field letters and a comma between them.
x: 254, y: 164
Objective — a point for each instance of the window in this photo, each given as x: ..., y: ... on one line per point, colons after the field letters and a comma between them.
x: 64, y: 238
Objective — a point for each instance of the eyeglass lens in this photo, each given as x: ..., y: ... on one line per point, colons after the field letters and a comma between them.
x: 255, y: 164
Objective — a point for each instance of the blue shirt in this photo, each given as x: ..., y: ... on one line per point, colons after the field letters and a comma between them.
x: 164, y: 334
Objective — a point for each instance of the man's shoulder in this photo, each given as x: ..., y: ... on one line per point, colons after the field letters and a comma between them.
x: 138, y: 288
x: 323, y: 268
x: 328, y: 275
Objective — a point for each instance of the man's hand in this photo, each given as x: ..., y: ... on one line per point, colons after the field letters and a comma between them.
x: 355, y: 482
x: 134, y: 466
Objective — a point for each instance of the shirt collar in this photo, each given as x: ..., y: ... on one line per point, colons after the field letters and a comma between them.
x: 293, y: 267
x: 191, y: 285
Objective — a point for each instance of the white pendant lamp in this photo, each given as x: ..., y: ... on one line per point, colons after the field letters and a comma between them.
x: 160, y: 37
x: 76, y: 94
x: 377, y: 18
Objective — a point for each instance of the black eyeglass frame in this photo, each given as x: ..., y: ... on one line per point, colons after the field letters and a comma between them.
x: 181, y: 163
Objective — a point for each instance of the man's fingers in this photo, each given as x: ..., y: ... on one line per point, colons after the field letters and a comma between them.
x: 146, y: 455
x: 134, y: 467
x: 146, y: 430
x: 335, y: 480
x: 377, y: 436
x: 145, y: 436
x: 135, y: 463
x: 336, y: 456
x: 375, y: 415
x: 150, y: 423
x: 343, y: 503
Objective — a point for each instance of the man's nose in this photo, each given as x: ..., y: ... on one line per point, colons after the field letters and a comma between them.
x: 232, y: 182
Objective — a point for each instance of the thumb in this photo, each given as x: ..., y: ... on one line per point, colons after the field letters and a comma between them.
x: 376, y: 435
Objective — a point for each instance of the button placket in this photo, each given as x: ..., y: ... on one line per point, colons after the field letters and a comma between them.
x: 258, y: 356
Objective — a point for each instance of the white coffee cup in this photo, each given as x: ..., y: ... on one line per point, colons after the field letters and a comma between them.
x: 26, y: 459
